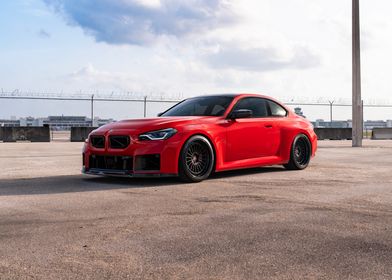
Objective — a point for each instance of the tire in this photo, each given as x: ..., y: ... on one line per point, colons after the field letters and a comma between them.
x: 300, y: 153
x: 197, y: 159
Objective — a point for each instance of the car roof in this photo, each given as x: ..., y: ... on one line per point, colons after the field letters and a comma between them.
x: 239, y: 95
x: 232, y: 95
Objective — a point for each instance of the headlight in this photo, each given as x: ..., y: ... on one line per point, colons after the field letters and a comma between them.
x: 162, y: 134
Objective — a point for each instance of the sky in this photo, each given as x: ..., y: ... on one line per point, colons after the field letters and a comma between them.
x: 177, y: 49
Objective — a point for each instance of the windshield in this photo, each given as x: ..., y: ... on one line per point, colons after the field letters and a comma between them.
x: 200, y: 106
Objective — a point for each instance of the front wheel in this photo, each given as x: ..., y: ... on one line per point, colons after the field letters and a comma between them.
x: 301, y: 151
x: 196, y: 160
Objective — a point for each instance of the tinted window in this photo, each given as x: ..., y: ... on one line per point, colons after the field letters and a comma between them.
x: 276, y: 109
x: 257, y: 105
x: 200, y: 106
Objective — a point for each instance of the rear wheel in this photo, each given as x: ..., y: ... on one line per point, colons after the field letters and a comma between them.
x: 196, y: 159
x: 301, y: 151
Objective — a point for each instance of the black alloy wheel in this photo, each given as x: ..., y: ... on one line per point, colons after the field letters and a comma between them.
x: 301, y: 151
x: 196, y: 159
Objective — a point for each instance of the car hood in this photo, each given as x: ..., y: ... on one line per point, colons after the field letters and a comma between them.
x: 150, y: 124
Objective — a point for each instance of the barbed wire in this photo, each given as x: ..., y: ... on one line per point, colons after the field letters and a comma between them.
x: 172, y: 98
x: 87, y: 95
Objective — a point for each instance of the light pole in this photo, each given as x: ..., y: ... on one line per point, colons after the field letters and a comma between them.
x: 357, y: 129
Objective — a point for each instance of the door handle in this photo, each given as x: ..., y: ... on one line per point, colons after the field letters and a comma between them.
x: 268, y: 125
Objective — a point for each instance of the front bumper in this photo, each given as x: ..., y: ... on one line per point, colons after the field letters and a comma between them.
x: 139, y: 159
x: 123, y: 173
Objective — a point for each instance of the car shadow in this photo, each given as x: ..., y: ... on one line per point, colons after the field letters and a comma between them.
x: 77, y: 183
x: 245, y: 172
x: 82, y: 183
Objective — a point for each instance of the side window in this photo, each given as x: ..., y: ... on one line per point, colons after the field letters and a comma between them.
x: 257, y: 105
x: 218, y: 110
x: 276, y: 109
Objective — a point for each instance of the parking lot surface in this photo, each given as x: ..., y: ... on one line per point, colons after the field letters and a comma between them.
x: 330, y: 221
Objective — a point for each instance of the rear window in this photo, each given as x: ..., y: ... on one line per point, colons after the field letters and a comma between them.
x: 276, y: 109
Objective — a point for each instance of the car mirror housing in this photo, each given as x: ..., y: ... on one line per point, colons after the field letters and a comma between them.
x: 241, y: 114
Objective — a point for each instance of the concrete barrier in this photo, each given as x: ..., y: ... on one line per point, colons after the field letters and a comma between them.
x: 26, y: 133
x: 79, y: 134
x: 382, y: 133
x: 333, y: 133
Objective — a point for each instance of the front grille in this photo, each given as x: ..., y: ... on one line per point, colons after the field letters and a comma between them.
x: 118, y: 142
x: 111, y: 162
x: 97, y: 141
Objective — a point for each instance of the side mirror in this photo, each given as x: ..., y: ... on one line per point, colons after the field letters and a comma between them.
x: 241, y: 114
x: 159, y: 114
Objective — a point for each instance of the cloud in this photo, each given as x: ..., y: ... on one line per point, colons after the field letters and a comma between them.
x: 94, y: 77
x: 260, y: 59
x: 141, y: 22
x: 44, y: 34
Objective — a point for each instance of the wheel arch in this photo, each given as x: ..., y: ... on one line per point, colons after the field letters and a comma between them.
x: 205, y: 135
x: 287, y: 141
x: 293, y: 163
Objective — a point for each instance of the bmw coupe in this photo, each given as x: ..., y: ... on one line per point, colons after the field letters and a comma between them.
x: 202, y: 135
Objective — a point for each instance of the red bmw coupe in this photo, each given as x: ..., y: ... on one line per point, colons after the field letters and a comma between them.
x: 202, y: 135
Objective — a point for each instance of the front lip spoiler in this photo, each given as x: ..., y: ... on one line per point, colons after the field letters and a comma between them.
x: 123, y: 173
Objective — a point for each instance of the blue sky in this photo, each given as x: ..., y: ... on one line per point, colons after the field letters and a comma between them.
x: 296, y: 48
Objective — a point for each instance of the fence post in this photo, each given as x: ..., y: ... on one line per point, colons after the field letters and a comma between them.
x: 92, y: 110
x: 331, y: 110
x: 145, y: 106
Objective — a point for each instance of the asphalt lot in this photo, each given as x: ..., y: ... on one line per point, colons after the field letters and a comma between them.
x: 330, y: 221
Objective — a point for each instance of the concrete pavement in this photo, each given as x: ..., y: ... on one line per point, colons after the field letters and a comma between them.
x: 330, y: 221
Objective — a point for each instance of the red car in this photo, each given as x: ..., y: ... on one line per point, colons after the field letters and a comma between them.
x: 202, y: 135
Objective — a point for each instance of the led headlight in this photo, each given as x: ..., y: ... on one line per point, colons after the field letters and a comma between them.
x: 162, y: 134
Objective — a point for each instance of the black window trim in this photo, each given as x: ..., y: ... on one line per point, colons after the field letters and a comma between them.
x: 267, y: 105
x: 270, y: 111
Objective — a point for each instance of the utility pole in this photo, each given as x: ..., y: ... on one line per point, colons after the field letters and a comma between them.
x: 357, y: 129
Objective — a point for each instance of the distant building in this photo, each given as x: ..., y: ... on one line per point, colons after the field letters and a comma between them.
x: 66, y: 122
x: 56, y: 122
x: 100, y: 122
x: 9, y: 123
x: 334, y: 124
x: 30, y: 121
x: 372, y: 124
x: 298, y: 111
x: 367, y: 125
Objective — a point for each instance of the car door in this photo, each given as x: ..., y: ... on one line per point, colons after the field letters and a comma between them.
x: 253, y: 137
x: 277, y: 117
